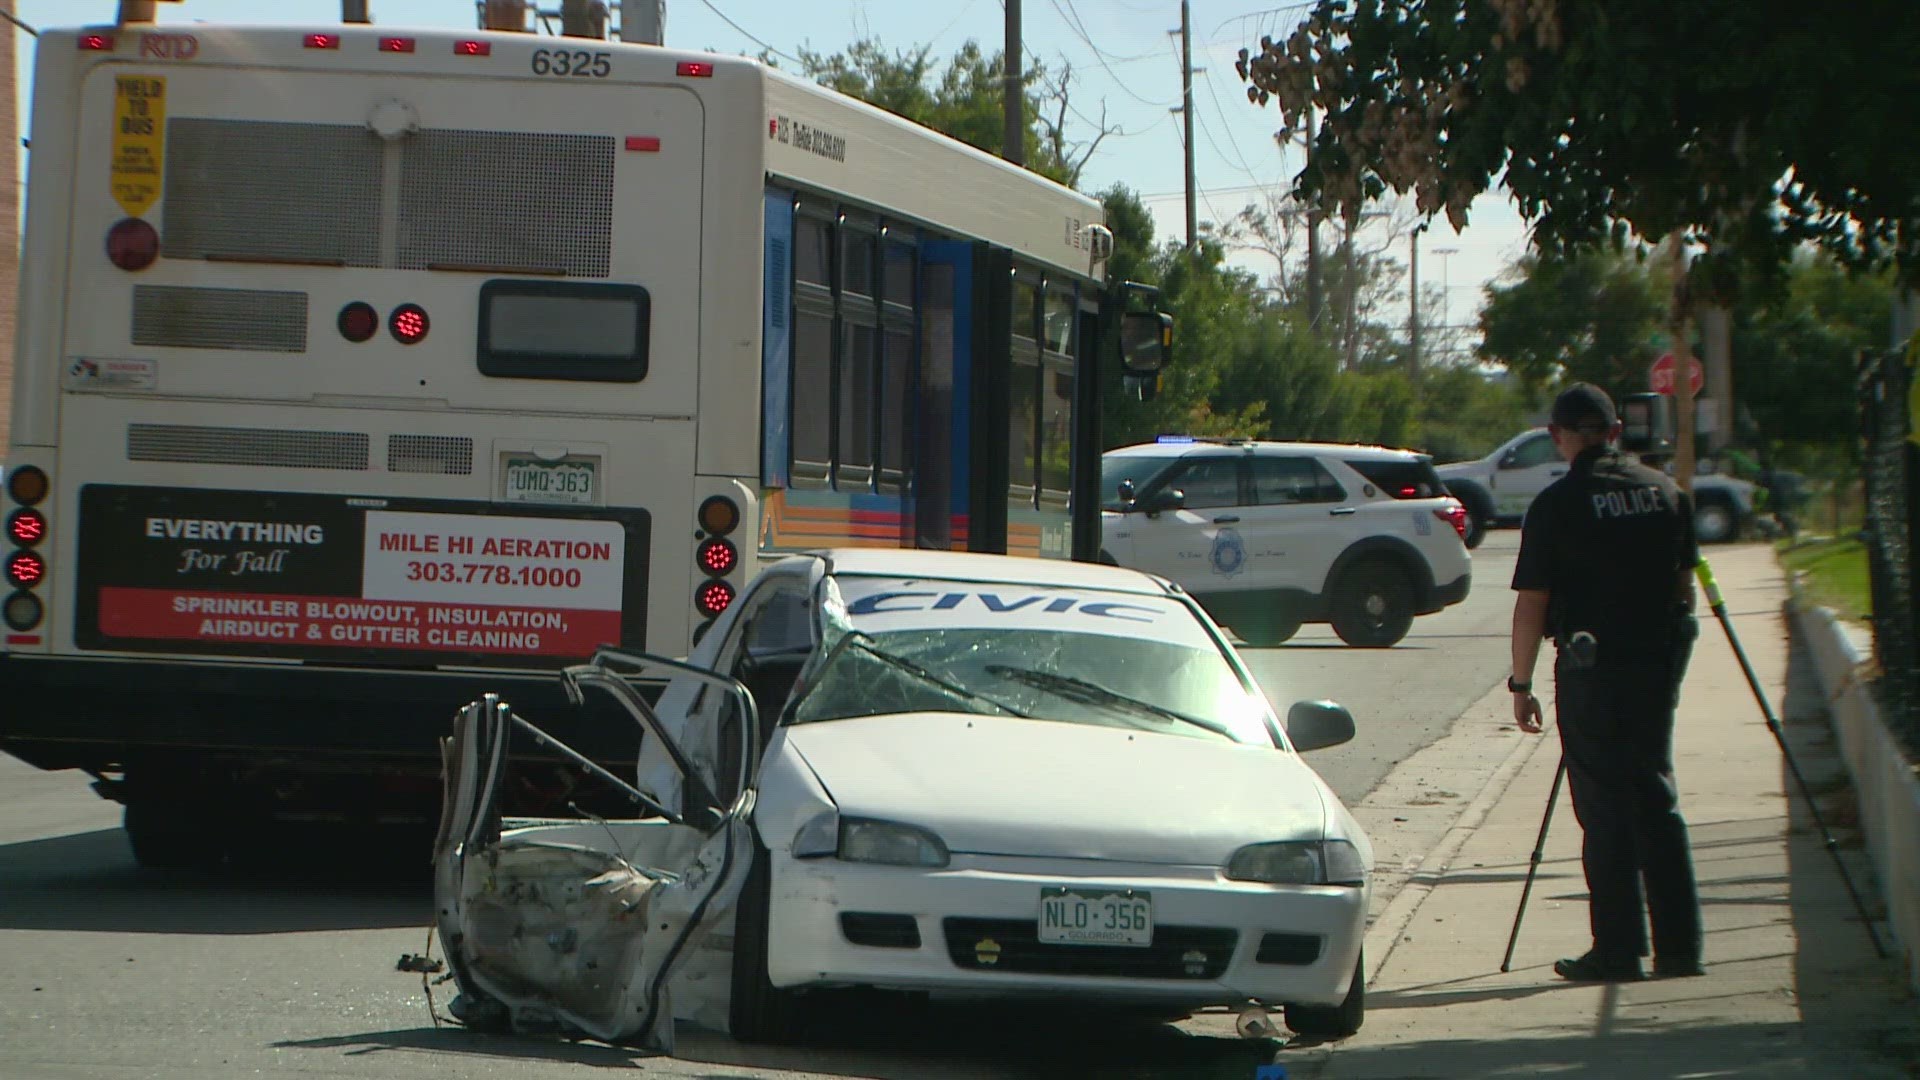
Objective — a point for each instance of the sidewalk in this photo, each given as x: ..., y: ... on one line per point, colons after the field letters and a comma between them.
x: 1793, y: 988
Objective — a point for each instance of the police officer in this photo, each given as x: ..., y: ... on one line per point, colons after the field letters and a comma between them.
x: 1606, y: 558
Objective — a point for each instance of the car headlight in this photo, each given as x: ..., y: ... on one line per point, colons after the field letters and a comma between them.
x: 1299, y: 862
x: 865, y: 840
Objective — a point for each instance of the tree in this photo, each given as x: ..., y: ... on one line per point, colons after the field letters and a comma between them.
x: 1748, y: 127
x: 1591, y: 315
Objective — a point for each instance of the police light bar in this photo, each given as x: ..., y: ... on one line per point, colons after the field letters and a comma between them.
x: 1174, y: 439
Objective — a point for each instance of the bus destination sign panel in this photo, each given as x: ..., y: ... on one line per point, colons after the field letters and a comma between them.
x: 317, y: 576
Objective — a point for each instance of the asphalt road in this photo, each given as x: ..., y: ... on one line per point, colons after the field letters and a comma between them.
x: 110, y: 971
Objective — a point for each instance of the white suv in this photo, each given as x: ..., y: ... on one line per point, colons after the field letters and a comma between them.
x: 1270, y: 535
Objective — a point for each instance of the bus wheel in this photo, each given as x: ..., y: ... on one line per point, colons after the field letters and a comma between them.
x: 167, y: 836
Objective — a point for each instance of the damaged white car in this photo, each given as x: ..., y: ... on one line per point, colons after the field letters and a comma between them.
x: 963, y: 776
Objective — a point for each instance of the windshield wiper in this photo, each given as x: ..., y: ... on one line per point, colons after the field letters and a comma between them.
x: 857, y: 640
x: 1094, y: 694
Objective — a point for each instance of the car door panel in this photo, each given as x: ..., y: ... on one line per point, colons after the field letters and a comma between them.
x: 1300, y: 519
x: 1182, y: 544
x: 1524, y: 472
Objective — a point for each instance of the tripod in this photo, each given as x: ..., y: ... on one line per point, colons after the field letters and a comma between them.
x: 1714, y: 600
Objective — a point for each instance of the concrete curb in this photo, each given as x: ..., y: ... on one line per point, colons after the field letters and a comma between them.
x: 1886, y: 782
x: 1385, y: 933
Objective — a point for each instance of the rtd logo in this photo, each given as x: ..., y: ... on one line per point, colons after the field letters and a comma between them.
x: 169, y: 46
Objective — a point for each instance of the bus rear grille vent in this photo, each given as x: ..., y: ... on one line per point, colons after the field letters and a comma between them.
x: 269, y: 447
x: 266, y: 191
x: 506, y: 202
x: 196, y: 318
x: 447, y: 455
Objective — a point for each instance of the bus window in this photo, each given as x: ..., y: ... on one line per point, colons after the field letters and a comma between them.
x: 812, y: 396
x: 897, y: 284
x: 857, y: 255
x: 812, y: 253
x: 896, y: 404
x: 855, y: 457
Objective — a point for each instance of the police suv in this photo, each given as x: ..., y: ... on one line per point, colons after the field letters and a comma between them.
x: 1270, y: 535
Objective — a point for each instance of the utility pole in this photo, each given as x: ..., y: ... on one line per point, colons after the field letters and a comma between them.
x: 1682, y: 369
x: 354, y: 11
x: 1716, y: 336
x: 1313, y: 242
x: 1186, y: 107
x: 1413, y: 292
x: 1013, y: 145
x: 583, y: 18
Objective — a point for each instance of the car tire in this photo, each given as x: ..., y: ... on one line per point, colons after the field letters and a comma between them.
x: 1714, y: 521
x: 167, y: 836
x: 1324, y: 1023
x: 758, y: 1011
x: 1372, y: 605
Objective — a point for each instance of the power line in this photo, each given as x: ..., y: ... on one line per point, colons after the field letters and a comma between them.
x: 743, y: 32
x: 1081, y: 33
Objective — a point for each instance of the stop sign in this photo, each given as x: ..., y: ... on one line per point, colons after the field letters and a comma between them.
x: 1661, y: 375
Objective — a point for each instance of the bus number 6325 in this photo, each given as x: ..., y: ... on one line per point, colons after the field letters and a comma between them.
x: 577, y: 63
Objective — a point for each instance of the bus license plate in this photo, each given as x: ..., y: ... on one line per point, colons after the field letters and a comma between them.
x: 569, y: 483
x: 1069, y: 917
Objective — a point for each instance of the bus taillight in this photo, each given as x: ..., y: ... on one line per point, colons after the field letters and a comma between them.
x: 95, y: 43
x: 694, y: 69
x: 717, y: 557
x: 132, y: 244
x: 27, y: 485
x: 396, y: 44
x: 25, y: 569
x: 321, y: 41
x: 23, y: 611
x: 408, y: 323
x: 358, y: 321
x: 711, y: 597
x: 27, y: 527
x: 473, y: 48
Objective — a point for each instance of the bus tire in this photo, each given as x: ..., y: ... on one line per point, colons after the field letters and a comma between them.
x: 164, y: 836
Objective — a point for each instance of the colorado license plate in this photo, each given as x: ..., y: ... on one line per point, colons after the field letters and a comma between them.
x: 569, y: 483
x: 1096, y: 917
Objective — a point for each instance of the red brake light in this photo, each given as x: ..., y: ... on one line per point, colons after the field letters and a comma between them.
x: 711, y: 598
x: 473, y: 48
x: 27, y: 527
x: 1454, y: 514
x: 396, y: 44
x: 717, y: 557
x: 132, y: 244
x: 95, y: 42
x: 25, y: 569
x: 321, y: 41
x: 358, y: 321
x: 694, y: 69
x: 408, y: 323
x: 643, y: 143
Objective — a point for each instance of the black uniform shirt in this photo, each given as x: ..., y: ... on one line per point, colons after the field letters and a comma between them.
x: 1608, y: 541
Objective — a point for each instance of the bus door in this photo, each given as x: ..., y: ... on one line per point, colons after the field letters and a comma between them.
x: 943, y: 428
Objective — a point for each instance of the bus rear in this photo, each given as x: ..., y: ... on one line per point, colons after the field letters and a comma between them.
x: 353, y: 361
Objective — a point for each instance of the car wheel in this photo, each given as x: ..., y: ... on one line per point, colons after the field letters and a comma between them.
x: 1373, y: 605
x: 1479, y: 513
x: 1327, y: 1022
x: 1267, y: 629
x: 1714, y: 521
x: 760, y: 1012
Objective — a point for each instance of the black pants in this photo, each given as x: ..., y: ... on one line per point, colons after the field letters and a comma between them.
x: 1616, y: 732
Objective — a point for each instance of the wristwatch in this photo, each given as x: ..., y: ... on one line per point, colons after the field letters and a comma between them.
x: 1519, y: 687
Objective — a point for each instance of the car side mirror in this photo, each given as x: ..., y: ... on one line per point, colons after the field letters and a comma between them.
x: 1165, y: 499
x: 1145, y: 338
x: 1316, y: 725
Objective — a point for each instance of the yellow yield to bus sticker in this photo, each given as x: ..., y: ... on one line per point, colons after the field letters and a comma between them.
x: 139, y: 122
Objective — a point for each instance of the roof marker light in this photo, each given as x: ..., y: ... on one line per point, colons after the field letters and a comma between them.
x: 694, y: 69
x: 95, y: 42
x: 396, y: 44
x: 473, y: 48
x: 321, y: 41
x: 643, y: 143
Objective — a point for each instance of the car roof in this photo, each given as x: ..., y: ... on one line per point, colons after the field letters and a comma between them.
x: 1360, y: 451
x: 999, y: 569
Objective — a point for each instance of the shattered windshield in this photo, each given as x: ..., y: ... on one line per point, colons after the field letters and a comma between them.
x: 1074, y: 656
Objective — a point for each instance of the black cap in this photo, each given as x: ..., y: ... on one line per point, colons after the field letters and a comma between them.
x: 1585, y: 408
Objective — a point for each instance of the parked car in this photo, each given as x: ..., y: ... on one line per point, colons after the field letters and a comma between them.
x: 1498, y: 488
x: 1271, y: 535
x: 964, y: 775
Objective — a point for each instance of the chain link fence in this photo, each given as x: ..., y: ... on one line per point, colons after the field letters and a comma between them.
x: 1891, y: 469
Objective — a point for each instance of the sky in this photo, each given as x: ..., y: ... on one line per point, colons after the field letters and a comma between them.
x: 1125, y: 56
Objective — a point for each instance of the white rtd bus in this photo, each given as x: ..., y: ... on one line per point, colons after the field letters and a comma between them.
x: 355, y: 362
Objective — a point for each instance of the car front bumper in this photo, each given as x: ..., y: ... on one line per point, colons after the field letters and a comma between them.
x: 969, y: 931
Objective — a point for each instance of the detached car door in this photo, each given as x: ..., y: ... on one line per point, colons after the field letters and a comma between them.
x: 587, y: 927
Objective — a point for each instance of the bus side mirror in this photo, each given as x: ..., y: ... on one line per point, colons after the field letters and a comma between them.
x: 1145, y: 339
